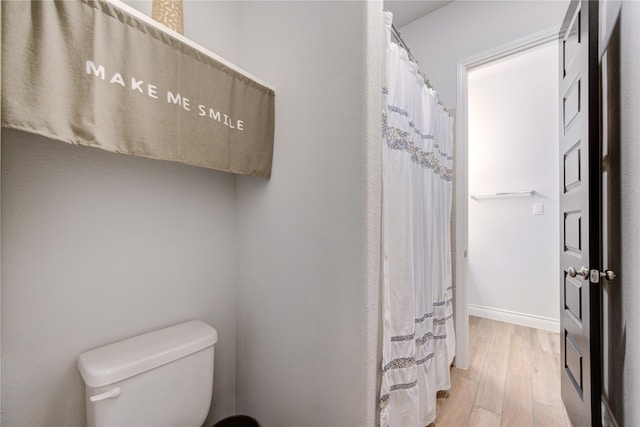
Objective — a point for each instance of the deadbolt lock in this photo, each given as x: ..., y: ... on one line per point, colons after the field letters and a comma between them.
x: 596, y: 275
x: 608, y: 274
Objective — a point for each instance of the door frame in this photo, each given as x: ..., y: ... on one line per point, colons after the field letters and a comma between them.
x: 461, y: 314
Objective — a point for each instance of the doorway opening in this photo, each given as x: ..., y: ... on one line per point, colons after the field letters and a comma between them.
x: 513, y: 188
x: 462, y: 192
x: 507, y: 234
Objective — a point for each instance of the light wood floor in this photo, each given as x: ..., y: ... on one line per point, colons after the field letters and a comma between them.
x: 513, y: 379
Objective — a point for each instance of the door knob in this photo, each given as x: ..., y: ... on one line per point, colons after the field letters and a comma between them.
x: 584, y: 272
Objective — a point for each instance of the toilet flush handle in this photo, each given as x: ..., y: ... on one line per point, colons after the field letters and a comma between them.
x: 110, y: 394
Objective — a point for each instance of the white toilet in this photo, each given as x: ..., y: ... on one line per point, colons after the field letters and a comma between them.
x: 163, y: 378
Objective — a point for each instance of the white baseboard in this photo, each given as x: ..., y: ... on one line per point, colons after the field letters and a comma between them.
x: 608, y: 420
x: 523, y: 319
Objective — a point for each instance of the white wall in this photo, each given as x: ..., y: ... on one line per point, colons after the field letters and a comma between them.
x: 465, y: 28
x: 513, y: 146
x: 97, y: 247
x: 309, y: 238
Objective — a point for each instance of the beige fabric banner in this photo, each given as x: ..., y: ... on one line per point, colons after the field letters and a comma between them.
x: 87, y: 72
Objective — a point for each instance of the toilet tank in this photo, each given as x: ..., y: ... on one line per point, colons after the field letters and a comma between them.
x: 162, y: 378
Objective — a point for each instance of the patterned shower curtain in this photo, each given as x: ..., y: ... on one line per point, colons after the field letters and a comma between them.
x: 418, y: 335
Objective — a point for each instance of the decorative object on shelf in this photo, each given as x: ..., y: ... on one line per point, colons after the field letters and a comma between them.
x: 169, y: 13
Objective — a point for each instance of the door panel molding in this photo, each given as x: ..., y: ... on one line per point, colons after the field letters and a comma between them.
x: 572, y: 167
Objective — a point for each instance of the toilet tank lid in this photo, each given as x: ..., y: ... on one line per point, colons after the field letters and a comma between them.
x: 124, y: 359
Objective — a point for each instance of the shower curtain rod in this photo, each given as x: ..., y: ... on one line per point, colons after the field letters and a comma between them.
x: 398, y: 36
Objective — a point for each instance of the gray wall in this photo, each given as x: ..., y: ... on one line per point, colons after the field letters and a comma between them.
x: 624, y: 351
x: 214, y: 25
x: 309, y: 238
x: 97, y: 247
x: 465, y: 28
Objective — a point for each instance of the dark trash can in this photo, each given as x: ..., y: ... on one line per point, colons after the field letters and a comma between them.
x: 237, y: 421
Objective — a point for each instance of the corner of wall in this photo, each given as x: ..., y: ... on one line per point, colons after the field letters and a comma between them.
x: 309, y: 238
x: 0, y: 222
x: 374, y: 81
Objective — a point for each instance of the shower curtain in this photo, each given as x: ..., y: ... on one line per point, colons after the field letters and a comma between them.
x: 418, y: 335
